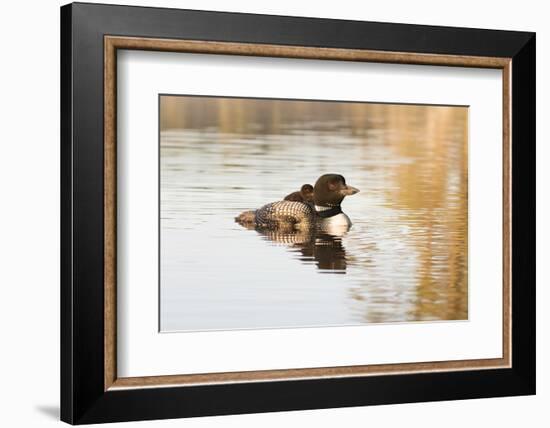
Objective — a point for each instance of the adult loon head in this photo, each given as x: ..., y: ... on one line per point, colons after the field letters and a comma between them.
x: 328, y: 193
x: 330, y: 190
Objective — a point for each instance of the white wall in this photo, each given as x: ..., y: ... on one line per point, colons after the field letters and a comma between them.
x: 29, y: 213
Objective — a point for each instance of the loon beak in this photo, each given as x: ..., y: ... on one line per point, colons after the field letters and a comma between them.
x: 349, y: 190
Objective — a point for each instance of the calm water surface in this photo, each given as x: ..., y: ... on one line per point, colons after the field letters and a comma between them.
x: 404, y: 259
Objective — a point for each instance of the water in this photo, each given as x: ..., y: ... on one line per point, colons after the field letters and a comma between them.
x: 403, y: 260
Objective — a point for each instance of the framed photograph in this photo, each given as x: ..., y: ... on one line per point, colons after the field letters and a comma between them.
x: 266, y: 213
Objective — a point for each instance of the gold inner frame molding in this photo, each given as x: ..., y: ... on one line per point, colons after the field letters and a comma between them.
x: 113, y: 43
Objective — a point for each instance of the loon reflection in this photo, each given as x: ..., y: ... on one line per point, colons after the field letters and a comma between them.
x: 326, y: 250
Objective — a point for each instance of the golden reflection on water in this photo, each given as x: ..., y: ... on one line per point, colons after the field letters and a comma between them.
x: 404, y: 259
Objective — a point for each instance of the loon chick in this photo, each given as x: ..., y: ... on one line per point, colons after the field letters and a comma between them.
x: 328, y: 194
x: 305, y: 194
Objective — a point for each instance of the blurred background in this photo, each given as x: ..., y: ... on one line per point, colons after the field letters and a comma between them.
x: 404, y: 259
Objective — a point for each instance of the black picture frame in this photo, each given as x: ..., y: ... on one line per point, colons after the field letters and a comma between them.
x: 83, y: 398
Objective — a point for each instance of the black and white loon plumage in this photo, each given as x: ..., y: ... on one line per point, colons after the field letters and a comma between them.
x: 325, y: 212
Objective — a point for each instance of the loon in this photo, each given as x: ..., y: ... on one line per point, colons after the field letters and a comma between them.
x: 325, y: 213
x: 305, y: 194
